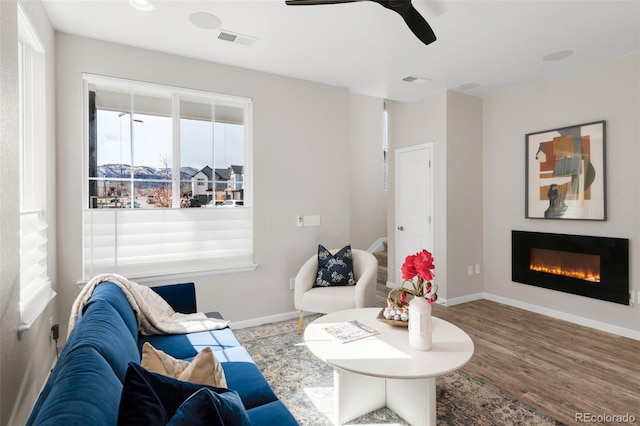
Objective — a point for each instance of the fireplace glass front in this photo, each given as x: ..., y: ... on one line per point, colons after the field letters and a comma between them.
x: 590, y: 266
x: 566, y: 264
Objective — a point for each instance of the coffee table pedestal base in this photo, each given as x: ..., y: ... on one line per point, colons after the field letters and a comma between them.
x: 413, y: 400
x: 356, y: 394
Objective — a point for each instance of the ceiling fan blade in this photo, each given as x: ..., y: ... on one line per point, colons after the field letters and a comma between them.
x: 416, y: 23
x: 314, y: 2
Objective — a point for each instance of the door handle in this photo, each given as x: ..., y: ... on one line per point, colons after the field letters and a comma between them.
x: 400, y: 228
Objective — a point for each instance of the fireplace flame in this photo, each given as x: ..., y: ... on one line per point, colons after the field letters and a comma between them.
x: 572, y: 273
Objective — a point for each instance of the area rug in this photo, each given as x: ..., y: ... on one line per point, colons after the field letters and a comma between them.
x: 305, y: 385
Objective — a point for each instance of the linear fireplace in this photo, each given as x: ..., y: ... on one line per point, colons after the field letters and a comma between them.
x: 596, y: 267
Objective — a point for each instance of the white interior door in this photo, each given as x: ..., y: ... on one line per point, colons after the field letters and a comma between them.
x: 414, y: 202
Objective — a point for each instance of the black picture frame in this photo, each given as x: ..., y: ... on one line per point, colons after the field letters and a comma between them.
x: 565, y: 173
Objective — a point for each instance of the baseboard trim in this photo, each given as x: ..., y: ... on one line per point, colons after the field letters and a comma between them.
x: 264, y: 320
x: 463, y: 299
x: 598, y: 325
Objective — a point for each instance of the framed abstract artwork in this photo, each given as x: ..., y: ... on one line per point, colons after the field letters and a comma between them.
x: 565, y: 173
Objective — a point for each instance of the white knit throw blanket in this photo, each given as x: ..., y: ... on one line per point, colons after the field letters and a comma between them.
x: 154, y: 314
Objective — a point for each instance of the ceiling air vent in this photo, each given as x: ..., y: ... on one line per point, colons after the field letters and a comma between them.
x: 236, y: 38
x: 415, y: 80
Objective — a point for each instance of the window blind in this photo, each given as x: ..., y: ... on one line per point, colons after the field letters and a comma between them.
x: 35, y: 286
x: 151, y: 242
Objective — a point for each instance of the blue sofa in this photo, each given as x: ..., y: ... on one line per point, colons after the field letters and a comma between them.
x: 86, y: 384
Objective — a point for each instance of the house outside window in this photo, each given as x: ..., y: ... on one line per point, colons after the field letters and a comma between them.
x: 148, y: 150
x: 236, y: 177
x: 35, y: 286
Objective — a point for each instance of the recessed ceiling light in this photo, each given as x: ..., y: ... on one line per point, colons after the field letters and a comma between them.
x: 205, y: 20
x: 468, y: 86
x: 557, y: 56
x: 142, y: 5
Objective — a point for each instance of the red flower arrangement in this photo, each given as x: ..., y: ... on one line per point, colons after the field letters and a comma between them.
x: 420, y: 266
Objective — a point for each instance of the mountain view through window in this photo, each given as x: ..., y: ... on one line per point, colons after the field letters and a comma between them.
x: 136, y: 161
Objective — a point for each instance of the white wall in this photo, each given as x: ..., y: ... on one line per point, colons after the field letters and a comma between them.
x: 464, y: 196
x: 453, y: 123
x: 301, y: 166
x: 25, y: 361
x: 611, y: 92
x: 368, y: 199
x: 416, y: 123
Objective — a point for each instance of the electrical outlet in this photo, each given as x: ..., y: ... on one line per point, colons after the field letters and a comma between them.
x: 292, y: 283
x: 477, y: 268
x: 300, y: 221
x: 55, y: 331
x: 470, y: 270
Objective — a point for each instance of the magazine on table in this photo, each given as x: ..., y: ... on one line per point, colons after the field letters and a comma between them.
x: 349, y: 331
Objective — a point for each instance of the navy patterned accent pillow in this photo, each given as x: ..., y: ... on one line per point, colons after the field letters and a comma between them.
x: 335, y: 270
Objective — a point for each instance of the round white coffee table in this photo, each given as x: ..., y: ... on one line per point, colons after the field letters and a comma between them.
x: 383, y: 370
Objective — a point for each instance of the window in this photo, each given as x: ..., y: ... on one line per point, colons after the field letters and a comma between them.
x: 385, y: 146
x: 35, y: 285
x: 161, y: 161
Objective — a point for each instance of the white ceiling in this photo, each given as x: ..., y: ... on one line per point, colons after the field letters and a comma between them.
x: 367, y: 48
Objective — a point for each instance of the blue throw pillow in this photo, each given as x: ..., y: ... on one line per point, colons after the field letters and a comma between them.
x: 335, y: 270
x: 153, y: 399
x: 206, y: 407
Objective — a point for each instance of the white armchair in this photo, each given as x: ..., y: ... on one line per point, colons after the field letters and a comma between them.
x: 331, y: 299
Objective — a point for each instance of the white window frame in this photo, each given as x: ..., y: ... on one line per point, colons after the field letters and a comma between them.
x: 385, y: 147
x: 35, y: 285
x: 211, y: 240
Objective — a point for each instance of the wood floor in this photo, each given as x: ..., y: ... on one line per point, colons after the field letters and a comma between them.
x: 558, y: 367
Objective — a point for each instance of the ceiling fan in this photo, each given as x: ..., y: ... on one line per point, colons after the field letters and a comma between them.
x: 416, y: 23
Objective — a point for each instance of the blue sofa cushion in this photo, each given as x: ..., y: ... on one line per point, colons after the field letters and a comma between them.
x: 111, y: 293
x: 85, y: 392
x: 106, y: 331
x: 246, y: 379
x: 273, y: 413
x: 186, y: 346
x: 334, y: 269
x: 181, y: 297
x: 206, y: 407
